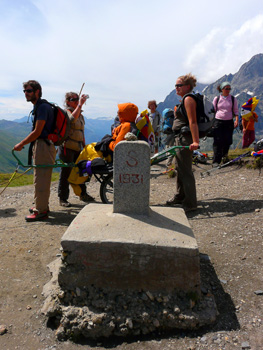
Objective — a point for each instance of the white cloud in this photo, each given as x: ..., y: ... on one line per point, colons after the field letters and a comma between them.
x: 222, y: 52
x: 124, y: 50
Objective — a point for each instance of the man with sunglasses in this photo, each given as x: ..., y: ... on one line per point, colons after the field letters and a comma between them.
x: 43, y: 150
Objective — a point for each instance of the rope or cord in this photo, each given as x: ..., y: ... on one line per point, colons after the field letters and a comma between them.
x: 12, y: 178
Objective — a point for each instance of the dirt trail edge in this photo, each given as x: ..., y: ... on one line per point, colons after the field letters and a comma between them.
x: 228, y: 226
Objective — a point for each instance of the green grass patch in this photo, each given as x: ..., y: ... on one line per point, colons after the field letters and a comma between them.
x: 21, y: 179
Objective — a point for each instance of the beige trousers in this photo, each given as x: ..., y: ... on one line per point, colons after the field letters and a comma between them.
x: 43, y: 154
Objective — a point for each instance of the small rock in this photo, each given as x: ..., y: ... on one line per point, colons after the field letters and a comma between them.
x: 165, y: 299
x: 3, y: 329
x: 61, y: 294
x: 156, y: 323
x: 129, y: 323
x: 203, y: 339
x: 28, y: 307
x: 150, y: 296
x: 257, y: 210
x: 177, y: 310
x: 223, y: 281
x: 245, y: 345
x: 258, y: 292
x: 204, y: 290
x: 192, y: 303
x: 192, y: 347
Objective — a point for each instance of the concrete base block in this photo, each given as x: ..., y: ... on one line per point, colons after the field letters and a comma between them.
x: 115, y: 251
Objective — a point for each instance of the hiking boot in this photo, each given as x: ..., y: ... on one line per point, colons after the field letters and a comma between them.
x: 86, y: 198
x: 174, y: 201
x: 36, y: 216
x: 187, y: 209
x: 64, y: 203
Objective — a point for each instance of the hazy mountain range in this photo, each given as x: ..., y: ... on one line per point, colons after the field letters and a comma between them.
x: 12, y: 132
x: 247, y: 82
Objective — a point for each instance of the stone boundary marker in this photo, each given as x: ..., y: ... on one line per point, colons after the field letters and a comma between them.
x: 130, y: 252
x: 131, y: 178
x: 128, y: 269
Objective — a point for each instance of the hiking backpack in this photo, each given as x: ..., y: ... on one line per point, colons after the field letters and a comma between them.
x: 61, y: 125
x: 168, y: 118
x: 205, y: 113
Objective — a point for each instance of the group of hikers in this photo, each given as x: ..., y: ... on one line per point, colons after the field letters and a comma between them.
x: 127, y: 121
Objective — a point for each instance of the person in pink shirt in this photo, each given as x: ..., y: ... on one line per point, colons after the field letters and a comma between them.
x: 226, y: 108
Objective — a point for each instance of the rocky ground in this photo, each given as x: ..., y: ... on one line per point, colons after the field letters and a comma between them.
x: 228, y: 227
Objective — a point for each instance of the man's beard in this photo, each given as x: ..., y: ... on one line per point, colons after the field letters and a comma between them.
x: 32, y: 98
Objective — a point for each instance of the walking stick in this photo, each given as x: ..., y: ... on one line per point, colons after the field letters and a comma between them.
x: 223, y: 165
x: 81, y: 89
x: 238, y: 143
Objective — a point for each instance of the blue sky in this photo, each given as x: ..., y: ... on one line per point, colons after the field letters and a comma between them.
x: 123, y: 50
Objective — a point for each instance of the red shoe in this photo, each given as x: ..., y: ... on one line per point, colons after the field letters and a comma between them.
x: 36, y: 216
x: 31, y: 210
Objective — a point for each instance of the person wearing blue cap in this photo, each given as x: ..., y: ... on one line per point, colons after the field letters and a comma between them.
x: 226, y: 108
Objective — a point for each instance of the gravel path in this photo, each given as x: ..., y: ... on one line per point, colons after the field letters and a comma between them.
x: 228, y: 227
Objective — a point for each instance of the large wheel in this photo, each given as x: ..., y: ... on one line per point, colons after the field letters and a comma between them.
x: 106, y: 190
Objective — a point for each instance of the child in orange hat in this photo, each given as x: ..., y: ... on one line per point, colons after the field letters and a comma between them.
x: 127, y: 113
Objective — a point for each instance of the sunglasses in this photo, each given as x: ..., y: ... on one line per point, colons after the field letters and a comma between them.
x: 227, y: 89
x: 73, y: 99
x: 28, y: 90
x: 179, y: 85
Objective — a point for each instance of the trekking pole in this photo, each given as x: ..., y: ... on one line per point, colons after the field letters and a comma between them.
x: 224, y: 165
x: 238, y: 144
x: 81, y: 89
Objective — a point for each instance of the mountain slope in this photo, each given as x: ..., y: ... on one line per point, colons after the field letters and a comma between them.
x: 173, y: 99
x: 13, y: 132
x: 247, y: 82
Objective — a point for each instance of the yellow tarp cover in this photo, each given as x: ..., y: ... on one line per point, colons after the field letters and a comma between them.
x: 88, y: 153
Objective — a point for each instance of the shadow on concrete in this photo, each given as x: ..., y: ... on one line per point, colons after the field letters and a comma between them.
x: 8, y: 212
x: 163, y: 222
x: 226, y: 320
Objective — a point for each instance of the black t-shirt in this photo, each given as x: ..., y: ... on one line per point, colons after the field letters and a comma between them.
x: 43, y: 111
